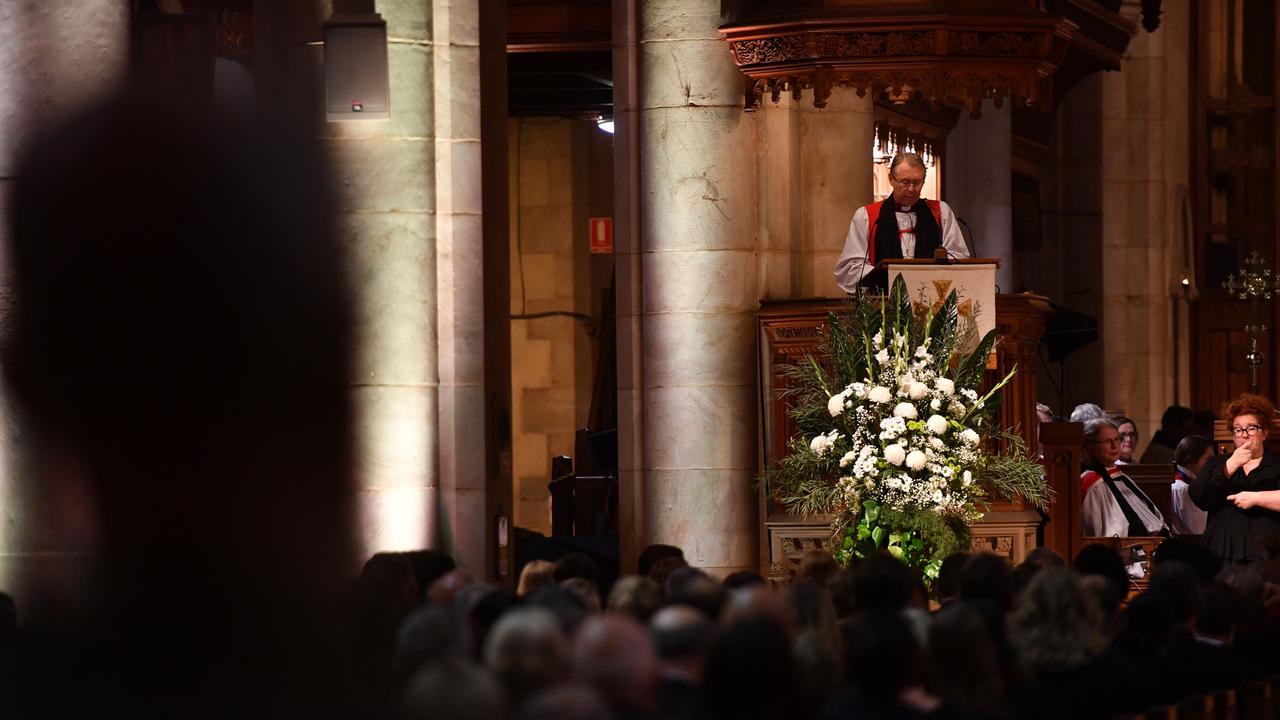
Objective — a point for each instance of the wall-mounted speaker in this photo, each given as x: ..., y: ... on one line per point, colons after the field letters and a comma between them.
x: 357, y: 85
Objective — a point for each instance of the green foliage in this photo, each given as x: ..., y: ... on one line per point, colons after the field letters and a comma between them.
x: 919, y: 532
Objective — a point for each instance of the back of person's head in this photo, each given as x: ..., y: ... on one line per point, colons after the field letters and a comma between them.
x: 486, y: 612
x: 1087, y: 411
x: 652, y: 554
x: 535, y: 575
x: 614, y: 656
x: 1178, y: 584
x: 680, y: 632
x: 1191, y: 551
x: 1105, y: 563
x: 1045, y: 557
x: 882, y: 583
x: 1177, y: 420
x: 576, y: 565
x: 176, y: 298
x: 883, y: 656
x: 1190, y: 449
x: 391, y: 574
x: 428, y: 566
x: 760, y: 602
x: 1146, y: 626
x: 566, y: 702
x: 527, y: 651
x: 1056, y: 625
x: 743, y: 578
x: 964, y: 670
x: 818, y: 566
x: 454, y: 689
x: 586, y: 590
x: 749, y: 672
x: 812, y: 605
x: 693, y: 587
x: 987, y: 576
x: 1249, y: 585
x: 445, y: 589
x: 568, y: 607
x: 636, y: 596
x: 843, y: 598
x: 1220, y: 611
x: 948, y: 583
x: 663, y: 567
x: 429, y: 634
x: 1022, y: 576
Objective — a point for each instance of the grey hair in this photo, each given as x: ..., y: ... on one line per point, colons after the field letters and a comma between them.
x: 1087, y: 411
x: 910, y: 158
x: 1094, y: 426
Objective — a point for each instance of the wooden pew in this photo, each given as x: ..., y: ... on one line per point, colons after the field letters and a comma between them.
x: 1256, y: 701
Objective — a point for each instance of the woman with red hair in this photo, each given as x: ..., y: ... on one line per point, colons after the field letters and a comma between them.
x: 1241, y: 491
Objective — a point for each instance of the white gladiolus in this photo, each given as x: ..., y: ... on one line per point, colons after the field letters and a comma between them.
x: 905, y: 410
x: 895, y: 454
x: 882, y: 357
x: 917, y: 391
x: 879, y: 394
x: 946, y: 386
x: 969, y: 437
x: 859, y: 390
x: 937, y: 424
x: 916, y: 459
x: 877, y: 340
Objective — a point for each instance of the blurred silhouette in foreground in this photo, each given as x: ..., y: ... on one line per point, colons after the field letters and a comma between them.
x: 176, y: 338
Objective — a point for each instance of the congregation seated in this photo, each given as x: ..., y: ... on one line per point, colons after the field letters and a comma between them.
x: 1041, y: 640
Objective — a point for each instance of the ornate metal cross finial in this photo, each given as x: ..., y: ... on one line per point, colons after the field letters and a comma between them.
x: 1256, y: 282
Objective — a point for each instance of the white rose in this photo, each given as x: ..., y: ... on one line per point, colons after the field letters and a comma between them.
x: 917, y: 391
x: 916, y: 459
x: 835, y: 405
x: 935, y: 404
x: 970, y: 437
x: 895, y: 454
x: 937, y: 424
x: 905, y: 410
x: 882, y: 357
x: 967, y: 478
x: 848, y: 458
x: 946, y: 386
x: 879, y: 394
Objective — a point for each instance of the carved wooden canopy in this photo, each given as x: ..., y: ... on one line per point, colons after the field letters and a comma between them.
x: 939, y: 52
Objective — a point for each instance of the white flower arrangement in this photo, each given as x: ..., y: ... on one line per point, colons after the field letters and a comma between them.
x: 895, y: 452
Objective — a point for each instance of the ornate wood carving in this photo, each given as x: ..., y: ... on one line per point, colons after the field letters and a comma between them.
x: 943, y: 60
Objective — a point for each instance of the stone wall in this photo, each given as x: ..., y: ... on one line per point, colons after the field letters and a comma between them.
x: 561, y: 176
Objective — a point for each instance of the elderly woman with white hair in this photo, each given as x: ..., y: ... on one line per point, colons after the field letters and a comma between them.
x: 1111, y: 503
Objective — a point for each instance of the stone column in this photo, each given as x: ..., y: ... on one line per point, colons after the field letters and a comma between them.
x: 979, y: 184
x: 813, y: 170
x: 697, y: 257
x: 410, y: 201
x: 455, y: 51
x: 55, y: 58
x: 836, y: 179
x: 1145, y: 162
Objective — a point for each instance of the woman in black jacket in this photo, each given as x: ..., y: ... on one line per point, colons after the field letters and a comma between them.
x: 1241, y: 491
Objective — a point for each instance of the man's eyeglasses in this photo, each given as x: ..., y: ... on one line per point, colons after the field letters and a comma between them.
x: 1129, y: 436
x: 1246, y: 431
x: 908, y: 184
